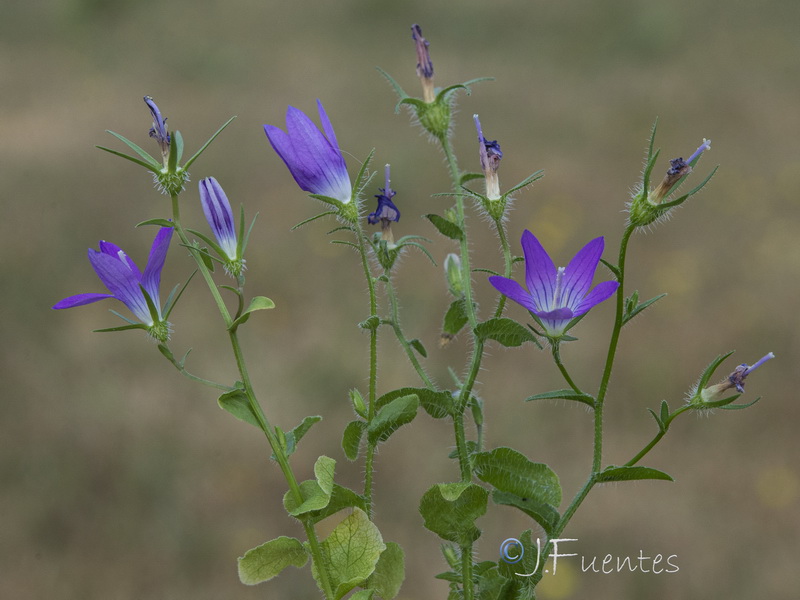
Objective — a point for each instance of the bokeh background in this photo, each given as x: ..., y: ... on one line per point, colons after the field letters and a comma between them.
x: 121, y: 480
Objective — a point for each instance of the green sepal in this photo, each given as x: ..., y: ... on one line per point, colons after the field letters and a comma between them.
x: 613, y: 268
x: 266, y: 561
x: 510, y: 471
x: 389, y: 572
x: 316, y: 493
x: 438, y: 404
x: 467, y: 177
x: 351, y: 553
x: 613, y: 473
x: 359, y: 406
x: 159, y: 222
x: 172, y: 299
x: 121, y: 328
x: 397, y: 88
x: 709, y: 371
x: 445, y: 227
x: 177, y: 140
x: 149, y: 163
x: 506, y: 331
x: 739, y: 406
x: 564, y: 395
x: 244, y: 236
x: 351, y: 439
x: 211, y: 243
x: 450, y: 510
x: 526, y: 182
x: 633, y: 307
x: 456, y: 317
x: 391, y: 417
x: 172, y: 157
x: 685, y: 197
x: 543, y: 513
x: 296, y: 434
x: 237, y: 403
x: 204, y: 146
x: 256, y: 303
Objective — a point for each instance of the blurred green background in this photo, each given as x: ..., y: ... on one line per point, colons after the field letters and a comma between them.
x: 122, y: 480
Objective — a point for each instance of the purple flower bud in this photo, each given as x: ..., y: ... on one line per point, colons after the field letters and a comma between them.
x: 219, y: 215
x: 313, y: 158
x: 557, y: 295
x: 678, y: 169
x: 735, y: 380
x: 424, y: 64
x: 386, y: 211
x: 159, y: 129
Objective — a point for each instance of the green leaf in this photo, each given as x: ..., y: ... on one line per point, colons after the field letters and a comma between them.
x: 257, y: 303
x: 450, y: 510
x: 159, y: 222
x: 363, y: 595
x: 509, y: 471
x: 266, y: 561
x: 121, y: 328
x: 544, y: 514
x: 351, y: 552
x: 341, y: 498
x: 204, y: 146
x: 389, y: 572
x: 351, y: 440
x: 564, y: 395
x: 613, y: 473
x: 314, y: 218
x: 315, y: 494
x: 635, y: 310
x: 739, y: 406
x: 504, y: 330
x: 456, y: 317
x: 237, y: 403
x: 445, y: 227
x: 417, y: 345
x: 390, y: 417
x: 152, y: 163
x: 438, y: 404
x: 296, y: 434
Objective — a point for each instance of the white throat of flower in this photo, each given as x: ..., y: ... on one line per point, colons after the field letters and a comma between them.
x: 559, y: 289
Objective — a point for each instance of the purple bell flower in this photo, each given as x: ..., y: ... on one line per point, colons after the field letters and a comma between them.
x: 314, y: 159
x: 557, y: 295
x: 124, y: 279
x: 219, y: 215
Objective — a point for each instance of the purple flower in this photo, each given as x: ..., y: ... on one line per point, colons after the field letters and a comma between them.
x: 159, y: 129
x: 314, y: 160
x: 557, y: 295
x: 219, y: 215
x: 124, y: 279
x: 424, y: 63
x: 490, y: 155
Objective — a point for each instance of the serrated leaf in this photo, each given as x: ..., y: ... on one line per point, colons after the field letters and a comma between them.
x: 351, y: 439
x: 316, y: 494
x: 237, y: 403
x: 544, y: 514
x: 390, y: 417
x: 389, y: 572
x: 445, y: 227
x: 564, y: 395
x: 450, y: 509
x: 510, y: 471
x: 266, y: 561
x: 455, y: 318
x: 351, y: 552
x: 506, y: 331
x: 613, y: 473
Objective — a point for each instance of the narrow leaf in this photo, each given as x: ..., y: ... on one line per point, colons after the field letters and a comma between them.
x: 564, y: 395
x: 445, y: 227
x: 613, y: 473
x: 204, y: 146
x: 152, y: 162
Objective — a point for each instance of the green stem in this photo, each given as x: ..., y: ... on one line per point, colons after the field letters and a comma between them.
x: 398, y: 331
x: 266, y: 427
x: 501, y: 232
x: 563, y: 369
x: 657, y: 437
x: 466, y: 570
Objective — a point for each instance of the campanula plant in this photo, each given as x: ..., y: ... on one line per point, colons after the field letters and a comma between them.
x: 350, y: 557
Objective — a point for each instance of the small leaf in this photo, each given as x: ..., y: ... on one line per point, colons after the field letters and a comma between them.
x: 564, y: 395
x: 296, y: 434
x: 450, y: 509
x: 204, y: 146
x: 512, y: 472
x: 635, y: 310
x: 351, y: 440
x: 390, y: 417
x: 341, y: 498
x: 389, y: 572
x: 152, y: 162
x: 159, y: 222
x: 363, y: 595
x: 455, y: 318
x: 351, y: 551
x: 417, y: 345
x: 504, y: 330
x: 445, y: 227
x: 370, y: 323
x: 266, y: 561
x: 257, y: 303
x: 613, y: 473
x: 438, y: 404
x: 315, y: 494
x: 237, y: 403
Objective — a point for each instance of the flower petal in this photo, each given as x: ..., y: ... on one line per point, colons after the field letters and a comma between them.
x: 328, y: 128
x: 218, y: 213
x: 151, y: 280
x: 601, y: 291
x: 579, y: 273
x: 119, y: 254
x: 121, y: 282
x: 540, y: 272
x: 80, y: 300
x: 513, y: 290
